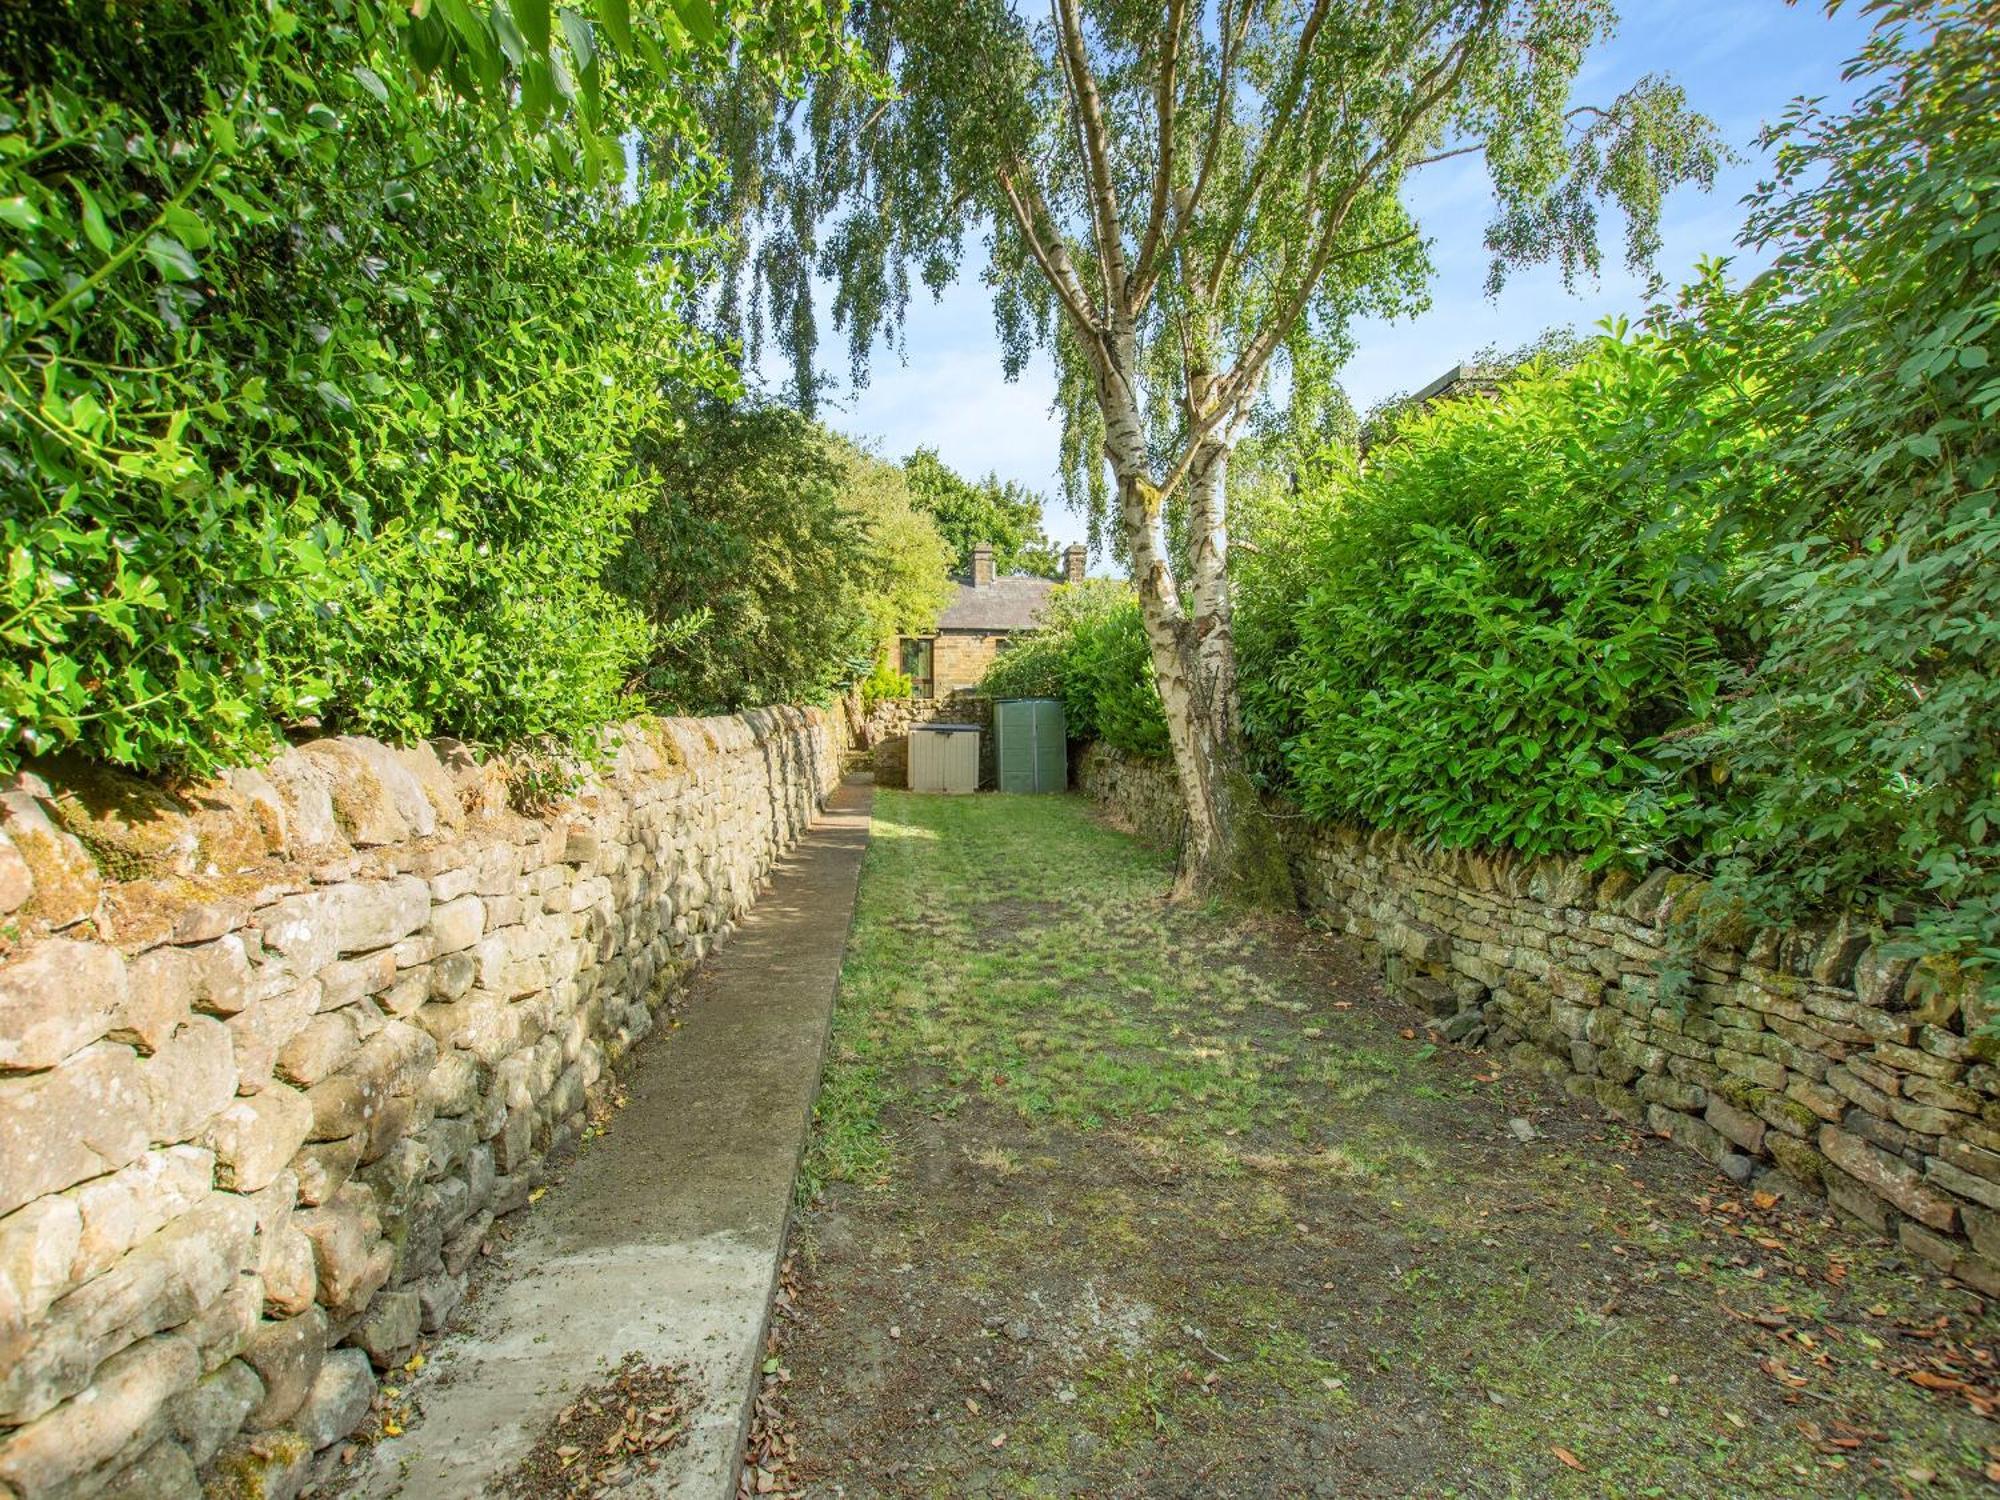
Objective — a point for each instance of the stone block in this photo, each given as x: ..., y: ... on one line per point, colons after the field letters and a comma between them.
x: 437, y: 1297
x: 323, y: 1167
x: 38, y: 1248
x: 462, y: 1247
x: 1890, y: 1178
x: 17, y: 881
x: 376, y: 801
x: 287, y: 1357
x: 1745, y: 1129
x: 1923, y: 1119
x: 221, y: 974
x: 270, y: 1466
x: 254, y: 1138
x: 56, y: 998
x: 1976, y: 1160
x: 1982, y: 1227
x: 208, y: 1413
x: 161, y: 985
x: 1858, y: 1201
x: 339, y: 1398
x: 348, y: 981
x: 262, y: 1028
x: 1887, y: 1134
x: 1936, y: 1094
x: 1800, y: 1161
x: 320, y: 1048
x: 63, y: 884
x: 1879, y: 977
x: 457, y: 925
x: 221, y: 1329
x: 390, y: 1329
x: 452, y: 975
x: 161, y: 1283
x: 344, y: 1232
x: 1697, y: 1135
x: 289, y: 1272
x: 164, y: 1281
x: 1789, y: 1114
x: 137, y: 1201
x: 1849, y: 1083
x: 411, y: 989
x: 120, y: 1419
x: 189, y: 1080
x: 165, y: 1471
x: 74, y: 1122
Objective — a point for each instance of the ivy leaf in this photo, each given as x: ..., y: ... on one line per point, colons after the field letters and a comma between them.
x: 170, y: 257
x: 94, y: 227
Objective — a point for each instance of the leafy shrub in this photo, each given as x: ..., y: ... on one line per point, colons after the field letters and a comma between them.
x: 804, y: 553
x: 320, y: 386
x: 1859, y: 738
x: 885, y: 684
x: 1089, y: 649
x: 1479, y: 636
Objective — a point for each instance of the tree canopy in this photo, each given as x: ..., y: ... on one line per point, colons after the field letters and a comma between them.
x: 1003, y: 514
x: 795, y: 553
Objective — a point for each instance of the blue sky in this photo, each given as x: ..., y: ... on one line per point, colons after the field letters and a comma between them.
x: 1741, y: 61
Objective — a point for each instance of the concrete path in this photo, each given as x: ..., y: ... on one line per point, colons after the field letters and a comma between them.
x: 665, y: 1235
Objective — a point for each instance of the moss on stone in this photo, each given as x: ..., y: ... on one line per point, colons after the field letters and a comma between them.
x: 132, y: 828
x: 256, y: 1469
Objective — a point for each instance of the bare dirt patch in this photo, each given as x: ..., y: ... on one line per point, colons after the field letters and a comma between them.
x: 1114, y: 1199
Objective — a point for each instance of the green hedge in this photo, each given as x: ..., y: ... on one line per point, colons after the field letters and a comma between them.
x: 1480, y: 635
x: 320, y: 393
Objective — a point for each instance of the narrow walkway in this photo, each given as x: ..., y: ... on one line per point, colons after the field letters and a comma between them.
x: 1123, y: 1199
x: 664, y: 1236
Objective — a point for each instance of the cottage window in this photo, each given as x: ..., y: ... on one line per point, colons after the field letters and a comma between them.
x: 917, y: 667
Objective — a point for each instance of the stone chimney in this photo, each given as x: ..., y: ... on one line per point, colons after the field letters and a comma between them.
x: 1074, y: 559
x: 982, y: 564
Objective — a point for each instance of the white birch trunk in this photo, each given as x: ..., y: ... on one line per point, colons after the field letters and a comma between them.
x: 1230, y: 845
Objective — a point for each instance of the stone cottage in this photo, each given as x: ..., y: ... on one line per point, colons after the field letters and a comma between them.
x: 976, y: 626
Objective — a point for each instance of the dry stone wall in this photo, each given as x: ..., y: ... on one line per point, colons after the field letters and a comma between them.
x: 1818, y: 1055
x: 275, y: 1051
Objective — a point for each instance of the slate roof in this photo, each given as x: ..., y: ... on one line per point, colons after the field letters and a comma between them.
x: 1006, y: 604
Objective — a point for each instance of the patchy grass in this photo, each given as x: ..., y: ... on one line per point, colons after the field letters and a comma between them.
x: 1108, y: 1197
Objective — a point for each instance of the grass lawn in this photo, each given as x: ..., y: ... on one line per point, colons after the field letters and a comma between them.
x: 1110, y: 1197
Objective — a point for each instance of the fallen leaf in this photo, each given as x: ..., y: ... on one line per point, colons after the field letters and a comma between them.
x: 1570, y: 1460
x: 1930, y: 1380
x: 1764, y: 1200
